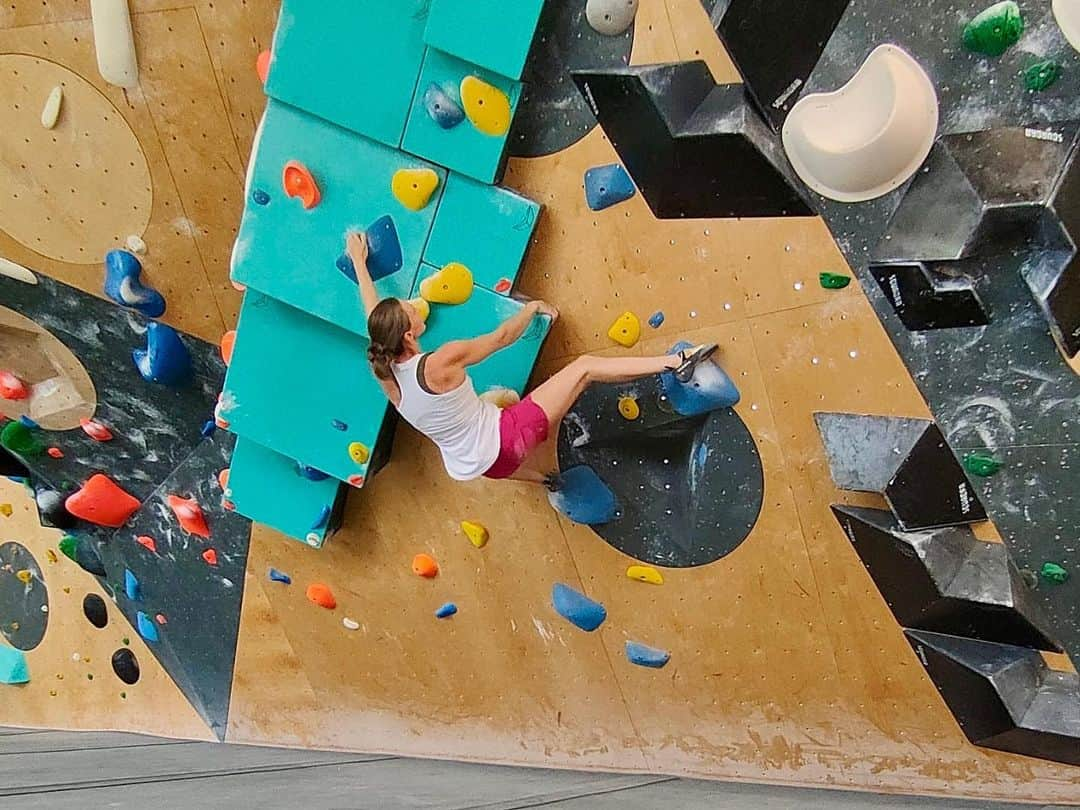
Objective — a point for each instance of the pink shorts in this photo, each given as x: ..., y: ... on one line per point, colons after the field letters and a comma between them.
x: 522, y: 428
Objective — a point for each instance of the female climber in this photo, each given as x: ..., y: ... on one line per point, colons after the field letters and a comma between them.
x: 435, y: 394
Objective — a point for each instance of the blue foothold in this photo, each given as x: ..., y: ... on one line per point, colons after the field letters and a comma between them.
x: 656, y: 320
x: 147, y: 629
x: 322, y: 519
x: 384, y: 249
x: 260, y: 197
x: 584, y: 497
x: 337, y: 424
x: 165, y: 360
x: 280, y: 576
x: 122, y: 285
x: 310, y: 473
x: 606, y: 186
x: 442, y: 107
x: 131, y: 586
x: 446, y: 611
x: 13, y: 667
x: 645, y: 656
x: 708, y: 390
x: 577, y: 608
x: 208, y: 429
x: 26, y: 421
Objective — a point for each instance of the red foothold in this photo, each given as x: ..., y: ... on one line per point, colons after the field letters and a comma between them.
x: 262, y: 65
x: 102, y: 502
x: 12, y: 387
x: 210, y: 556
x: 223, y: 478
x: 160, y: 619
x: 147, y: 542
x: 238, y: 286
x: 95, y: 430
x: 55, y: 452
x: 356, y: 481
x: 228, y: 506
x: 504, y: 286
x: 190, y: 514
x: 299, y: 182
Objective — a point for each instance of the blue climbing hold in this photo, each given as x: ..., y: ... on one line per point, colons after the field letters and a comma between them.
x: 209, y: 428
x: 122, y: 285
x: 260, y: 197
x: 347, y: 268
x: 337, y: 424
x: 443, y: 107
x: 26, y: 421
x: 310, y: 473
x: 280, y: 576
x: 577, y: 608
x: 606, y: 186
x: 165, y: 359
x: 322, y: 519
x: 656, y: 320
x: 583, y: 497
x: 384, y: 252
x: 13, y: 668
x: 446, y: 611
x: 147, y: 628
x: 710, y: 388
x: 645, y: 656
x: 131, y: 586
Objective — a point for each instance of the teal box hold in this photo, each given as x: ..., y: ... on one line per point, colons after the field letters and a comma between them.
x: 303, y: 388
x: 463, y: 148
x: 269, y: 488
x: 486, y: 228
x: 290, y: 252
x: 352, y: 62
x: 13, y: 667
x: 493, y: 34
x: 482, y: 313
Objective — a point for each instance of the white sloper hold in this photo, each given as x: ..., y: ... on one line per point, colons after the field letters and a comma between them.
x: 610, y: 17
x: 868, y: 137
x: 50, y: 113
x: 1067, y: 14
x: 114, y: 42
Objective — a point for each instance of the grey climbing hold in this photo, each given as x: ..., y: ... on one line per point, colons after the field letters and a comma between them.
x: 611, y: 17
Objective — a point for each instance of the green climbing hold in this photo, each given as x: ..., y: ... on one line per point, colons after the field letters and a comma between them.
x: 994, y: 29
x: 1041, y: 75
x: 1052, y: 572
x: 981, y: 464
x: 833, y: 281
x: 19, y: 440
x: 67, y: 546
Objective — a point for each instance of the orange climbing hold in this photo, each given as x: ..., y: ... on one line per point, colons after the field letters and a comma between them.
x: 210, y: 555
x: 102, y: 502
x: 228, y: 342
x: 299, y: 182
x: 321, y: 595
x: 147, y: 542
x: 223, y: 478
x: 95, y: 430
x: 423, y: 565
x: 55, y: 452
x: 12, y: 387
x: 262, y: 65
x: 190, y: 514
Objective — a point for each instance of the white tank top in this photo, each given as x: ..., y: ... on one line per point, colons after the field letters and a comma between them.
x: 465, y: 428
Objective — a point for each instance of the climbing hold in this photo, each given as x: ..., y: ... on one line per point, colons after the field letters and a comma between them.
x: 50, y: 113
x: 451, y: 285
x: 423, y: 565
x: 279, y: 576
x: 503, y: 286
x: 19, y: 440
x: 95, y: 611
x: 645, y: 573
x: 833, y: 281
x: 359, y: 453
x: 310, y: 473
x: 606, y: 186
x: 13, y: 668
x: 228, y: 343
x: 321, y: 595
x: 5, y: 509
x: 50, y: 555
x: 1052, y: 572
x: 209, y: 428
x: 126, y: 666
x: 384, y: 248
x: 708, y: 390
x: 422, y: 307
x: 501, y: 398
x: 350, y: 624
x: 223, y: 479
x: 166, y: 359
x: 1041, y: 75
x: 355, y: 481
x: 442, y: 106
x: 24, y: 576
x: 626, y: 330
x: 210, y: 556
x: 981, y: 463
x: 486, y: 106
x: 656, y: 320
x: 122, y: 285
x: 611, y: 17
x: 102, y: 502
x: 55, y: 452
x: 147, y: 629
x: 337, y: 424
x: 446, y: 611
x: 995, y: 29
x: 12, y: 387
x: 262, y: 65
x: 135, y: 244
x: 477, y: 534
x: 82, y: 553
x: 577, y: 608
x: 299, y: 182
x: 322, y: 518
x: 95, y: 430
x: 583, y: 497
x: 147, y: 542
x: 190, y: 514
x: 645, y: 656
x: 260, y: 197
x: 131, y: 586
x: 628, y: 408
x: 26, y: 421
x: 413, y: 187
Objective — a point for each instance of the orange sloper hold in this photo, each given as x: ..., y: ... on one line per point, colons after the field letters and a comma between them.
x: 425, y: 566
x: 321, y: 595
x: 190, y: 514
x: 102, y: 502
x: 228, y: 342
x: 262, y: 66
x: 299, y: 182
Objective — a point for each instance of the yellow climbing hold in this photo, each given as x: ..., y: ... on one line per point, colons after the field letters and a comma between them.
x: 358, y: 452
x: 645, y: 573
x: 51, y: 555
x: 451, y: 285
x: 413, y: 187
x: 629, y: 409
x: 24, y: 576
x: 422, y: 307
x: 486, y: 106
x: 5, y: 509
x: 476, y: 533
x: 501, y: 398
x: 626, y: 330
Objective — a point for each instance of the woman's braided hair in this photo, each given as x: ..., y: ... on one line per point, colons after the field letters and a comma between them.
x: 387, y: 326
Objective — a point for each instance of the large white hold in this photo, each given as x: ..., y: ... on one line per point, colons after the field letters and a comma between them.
x: 1067, y: 14
x: 9, y: 269
x: 610, y: 17
x: 50, y: 113
x: 868, y: 137
x: 114, y: 42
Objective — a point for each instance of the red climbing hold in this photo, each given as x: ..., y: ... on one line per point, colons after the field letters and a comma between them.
x: 160, y: 619
x: 228, y: 341
x: 322, y: 596
x: 262, y: 66
x: 210, y: 556
x: 147, y: 542
x: 55, y: 452
x: 356, y: 481
x: 190, y: 514
x: 95, y: 430
x: 102, y: 502
x: 223, y: 478
x: 12, y: 387
x: 228, y: 506
x: 299, y: 182
x: 504, y: 286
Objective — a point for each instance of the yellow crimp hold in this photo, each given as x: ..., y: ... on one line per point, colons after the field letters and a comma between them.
x: 476, y: 533
x: 24, y: 576
x: 413, y: 187
x: 626, y: 330
x: 486, y: 106
x: 629, y: 409
x: 358, y: 452
x: 5, y: 509
x: 51, y: 555
x: 645, y: 573
x: 451, y: 285
x: 422, y: 307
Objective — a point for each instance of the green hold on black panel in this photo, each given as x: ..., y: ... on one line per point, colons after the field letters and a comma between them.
x: 992, y: 31
x: 833, y: 281
x: 1041, y: 75
x: 1052, y: 572
x: 19, y: 440
x: 981, y: 464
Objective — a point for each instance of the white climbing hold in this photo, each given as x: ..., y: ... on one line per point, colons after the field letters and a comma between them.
x: 51, y: 111
x: 114, y: 42
x: 136, y: 244
x: 17, y: 272
x: 350, y: 624
x: 610, y: 17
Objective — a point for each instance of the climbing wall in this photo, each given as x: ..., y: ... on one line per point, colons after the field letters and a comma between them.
x: 786, y: 664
